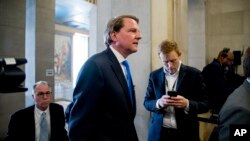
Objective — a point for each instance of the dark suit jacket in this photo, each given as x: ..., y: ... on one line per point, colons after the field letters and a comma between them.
x: 191, y: 86
x: 217, y: 84
x: 236, y: 110
x: 22, y: 124
x: 102, y: 109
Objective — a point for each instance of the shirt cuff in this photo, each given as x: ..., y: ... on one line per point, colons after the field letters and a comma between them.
x: 186, y: 109
x: 157, y: 104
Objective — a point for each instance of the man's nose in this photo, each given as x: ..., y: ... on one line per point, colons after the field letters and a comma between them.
x: 138, y: 35
x: 170, y: 64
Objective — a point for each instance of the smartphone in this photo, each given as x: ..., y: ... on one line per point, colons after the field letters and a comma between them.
x: 172, y: 93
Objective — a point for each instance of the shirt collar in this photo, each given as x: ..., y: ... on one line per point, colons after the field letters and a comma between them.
x: 40, y: 111
x: 248, y: 79
x: 119, y: 57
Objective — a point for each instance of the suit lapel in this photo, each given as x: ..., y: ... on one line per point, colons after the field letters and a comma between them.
x: 31, y: 119
x: 117, y: 70
x: 182, y: 74
x: 162, y: 83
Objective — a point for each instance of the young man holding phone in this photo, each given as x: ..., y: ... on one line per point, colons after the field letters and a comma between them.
x: 175, y: 95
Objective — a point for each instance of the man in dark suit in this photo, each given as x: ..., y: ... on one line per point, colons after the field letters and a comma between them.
x: 24, y: 124
x: 103, y: 108
x: 174, y: 117
x: 217, y: 76
x: 236, y: 109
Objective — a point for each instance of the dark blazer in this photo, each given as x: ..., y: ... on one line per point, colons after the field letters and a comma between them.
x: 217, y: 84
x: 102, y: 109
x: 190, y: 85
x: 22, y: 124
x: 236, y: 110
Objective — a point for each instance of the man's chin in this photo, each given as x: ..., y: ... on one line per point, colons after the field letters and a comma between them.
x: 134, y: 50
x: 172, y: 72
x: 45, y: 104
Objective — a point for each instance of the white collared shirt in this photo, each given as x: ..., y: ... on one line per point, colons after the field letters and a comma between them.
x: 120, y: 59
x: 169, y: 120
x: 248, y: 79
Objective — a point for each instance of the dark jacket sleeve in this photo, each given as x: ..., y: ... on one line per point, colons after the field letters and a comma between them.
x: 58, y: 131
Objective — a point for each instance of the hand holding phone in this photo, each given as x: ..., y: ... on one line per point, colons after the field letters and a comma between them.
x: 172, y: 93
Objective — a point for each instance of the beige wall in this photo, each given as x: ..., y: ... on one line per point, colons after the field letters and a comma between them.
x: 39, y: 43
x: 227, y: 25
x: 169, y: 21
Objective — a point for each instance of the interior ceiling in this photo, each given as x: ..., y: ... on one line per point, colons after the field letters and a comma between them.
x: 73, y: 13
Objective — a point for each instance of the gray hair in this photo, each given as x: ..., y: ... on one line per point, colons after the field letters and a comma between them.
x: 40, y: 83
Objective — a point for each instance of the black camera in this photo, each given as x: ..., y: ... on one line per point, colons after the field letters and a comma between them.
x: 12, y: 77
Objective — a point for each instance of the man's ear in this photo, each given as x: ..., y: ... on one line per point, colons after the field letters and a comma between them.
x: 113, y: 36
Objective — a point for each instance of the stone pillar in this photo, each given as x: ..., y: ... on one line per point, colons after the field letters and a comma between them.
x: 161, y: 27
x: 169, y: 21
x: 40, y: 36
x: 196, y: 33
x: 180, y: 27
x: 12, y: 42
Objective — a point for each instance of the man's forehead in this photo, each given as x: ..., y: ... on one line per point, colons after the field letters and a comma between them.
x: 42, y: 87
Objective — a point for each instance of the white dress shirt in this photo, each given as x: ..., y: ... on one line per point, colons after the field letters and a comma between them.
x: 169, y: 120
x: 37, y: 115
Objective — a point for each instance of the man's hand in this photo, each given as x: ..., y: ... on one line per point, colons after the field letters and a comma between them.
x: 178, y: 101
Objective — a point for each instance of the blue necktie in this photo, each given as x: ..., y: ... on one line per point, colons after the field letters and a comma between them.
x: 129, y: 79
x: 43, y: 128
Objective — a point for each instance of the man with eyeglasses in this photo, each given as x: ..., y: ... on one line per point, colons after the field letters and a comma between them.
x: 43, y: 121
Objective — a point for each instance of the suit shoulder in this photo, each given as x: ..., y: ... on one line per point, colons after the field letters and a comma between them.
x: 24, y: 111
x: 56, y: 105
x: 99, y: 56
x: 157, y: 71
x: 98, y: 59
x: 191, y: 69
x: 211, y: 66
x: 102, y: 59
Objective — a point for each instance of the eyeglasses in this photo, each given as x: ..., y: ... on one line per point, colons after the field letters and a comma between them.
x: 42, y: 94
